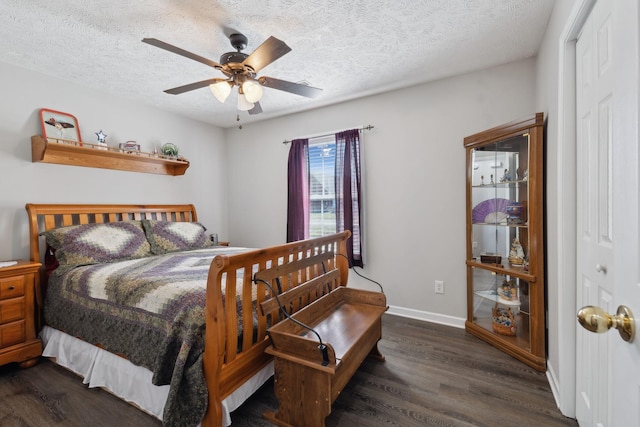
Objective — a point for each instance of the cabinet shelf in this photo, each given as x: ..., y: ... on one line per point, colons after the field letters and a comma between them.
x: 503, y: 184
x: 501, y: 224
x: 505, y: 270
x: 96, y: 156
x: 517, y: 346
x: 492, y: 295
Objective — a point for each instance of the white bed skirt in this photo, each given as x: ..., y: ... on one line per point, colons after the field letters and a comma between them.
x: 130, y: 382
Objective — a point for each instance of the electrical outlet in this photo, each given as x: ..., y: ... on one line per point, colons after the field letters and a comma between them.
x: 439, y: 287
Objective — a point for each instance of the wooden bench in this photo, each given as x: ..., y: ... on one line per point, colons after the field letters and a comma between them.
x: 309, y: 377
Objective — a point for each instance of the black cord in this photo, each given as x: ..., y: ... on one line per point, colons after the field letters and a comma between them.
x: 322, y: 347
x: 353, y: 267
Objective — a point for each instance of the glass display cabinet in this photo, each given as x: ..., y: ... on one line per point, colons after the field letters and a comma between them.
x: 505, y: 239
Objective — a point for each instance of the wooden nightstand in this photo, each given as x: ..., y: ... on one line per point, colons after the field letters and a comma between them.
x: 18, y: 340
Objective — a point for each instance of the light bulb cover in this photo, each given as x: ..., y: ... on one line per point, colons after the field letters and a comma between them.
x: 252, y: 90
x: 243, y: 104
x: 221, y: 90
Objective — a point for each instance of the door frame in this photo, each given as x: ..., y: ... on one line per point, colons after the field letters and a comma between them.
x: 566, y: 202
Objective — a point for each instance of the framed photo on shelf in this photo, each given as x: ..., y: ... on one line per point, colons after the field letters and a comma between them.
x: 130, y: 147
x: 59, y: 127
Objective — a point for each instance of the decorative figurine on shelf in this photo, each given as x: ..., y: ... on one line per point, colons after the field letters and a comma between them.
x: 519, y: 174
x: 506, y: 177
x: 102, y: 137
x: 508, y: 291
x: 481, y: 179
x: 516, y: 254
x: 102, y: 140
x: 491, y: 180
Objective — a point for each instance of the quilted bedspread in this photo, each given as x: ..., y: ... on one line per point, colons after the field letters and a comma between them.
x: 151, y: 310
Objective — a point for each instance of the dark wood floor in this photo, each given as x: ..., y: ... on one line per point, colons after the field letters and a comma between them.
x: 433, y: 376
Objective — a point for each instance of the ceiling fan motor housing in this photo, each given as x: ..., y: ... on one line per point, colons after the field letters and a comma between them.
x: 236, y: 57
x: 239, y: 42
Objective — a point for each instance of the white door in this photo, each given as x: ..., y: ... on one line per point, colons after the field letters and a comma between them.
x: 608, y: 264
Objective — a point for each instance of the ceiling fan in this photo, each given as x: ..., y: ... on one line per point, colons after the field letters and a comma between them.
x: 241, y: 70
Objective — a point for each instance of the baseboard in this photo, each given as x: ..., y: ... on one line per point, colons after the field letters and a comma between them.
x: 456, y: 322
x: 553, y: 383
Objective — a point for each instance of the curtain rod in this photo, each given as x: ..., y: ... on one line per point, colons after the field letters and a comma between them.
x: 368, y: 127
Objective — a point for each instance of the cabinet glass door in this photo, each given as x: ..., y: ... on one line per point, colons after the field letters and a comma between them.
x: 501, y: 305
x: 499, y: 234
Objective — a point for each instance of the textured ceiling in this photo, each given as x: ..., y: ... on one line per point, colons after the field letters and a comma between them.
x: 349, y: 49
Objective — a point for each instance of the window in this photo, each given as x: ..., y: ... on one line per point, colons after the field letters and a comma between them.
x: 324, y: 189
x: 322, y: 186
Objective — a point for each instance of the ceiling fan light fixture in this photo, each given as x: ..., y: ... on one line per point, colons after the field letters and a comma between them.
x: 241, y: 70
x: 221, y: 90
x: 243, y: 103
x: 252, y: 90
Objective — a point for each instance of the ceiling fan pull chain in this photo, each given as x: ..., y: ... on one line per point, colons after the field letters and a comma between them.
x: 238, y: 120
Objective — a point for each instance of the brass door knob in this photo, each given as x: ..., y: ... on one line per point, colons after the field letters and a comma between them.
x: 595, y: 319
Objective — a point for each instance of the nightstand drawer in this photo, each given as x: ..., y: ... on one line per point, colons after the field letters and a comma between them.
x: 12, y: 333
x: 11, y: 310
x: 11, y: 287
x: 18, y: 328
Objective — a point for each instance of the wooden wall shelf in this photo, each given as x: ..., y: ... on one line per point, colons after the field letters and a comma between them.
x: 94, y: 156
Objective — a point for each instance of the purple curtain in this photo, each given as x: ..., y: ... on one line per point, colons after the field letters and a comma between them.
x: 348, y: 192
x: 298, y: 191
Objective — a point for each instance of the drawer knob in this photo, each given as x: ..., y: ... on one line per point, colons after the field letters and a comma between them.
x: 11, y: 287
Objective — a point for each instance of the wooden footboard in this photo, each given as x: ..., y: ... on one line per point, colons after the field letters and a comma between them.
x: 232, y: 355
x: 229, y: 361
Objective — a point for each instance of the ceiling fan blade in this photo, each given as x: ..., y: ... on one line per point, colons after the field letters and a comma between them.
x: 270, y: 50
x: 182, y: 52
x: 297, y: 88
x: 197, y: 85
x: 257, y: 109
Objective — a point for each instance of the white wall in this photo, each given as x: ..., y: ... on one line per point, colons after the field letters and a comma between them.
x: 561, y: 287
x: 25, y: 92
x: 415, y: 179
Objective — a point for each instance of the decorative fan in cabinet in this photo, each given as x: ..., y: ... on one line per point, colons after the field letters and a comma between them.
x: 241, y: 70
x: 491, y: 211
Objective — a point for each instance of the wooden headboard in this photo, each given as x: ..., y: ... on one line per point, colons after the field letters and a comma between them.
x: 44, y: 217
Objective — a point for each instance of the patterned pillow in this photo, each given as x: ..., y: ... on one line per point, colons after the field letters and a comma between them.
x: 97, y: 243
x: 167, y: 236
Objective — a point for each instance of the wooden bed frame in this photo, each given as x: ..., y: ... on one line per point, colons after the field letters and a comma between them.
x: 227, y: 363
